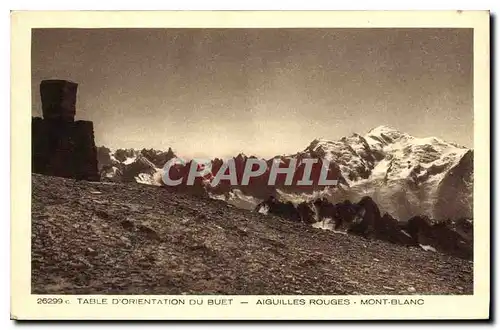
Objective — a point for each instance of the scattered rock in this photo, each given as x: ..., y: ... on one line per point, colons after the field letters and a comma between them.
x: 127, y: 224
x: 91, y: 252
x: 102, y: 214
x: 148, y: 231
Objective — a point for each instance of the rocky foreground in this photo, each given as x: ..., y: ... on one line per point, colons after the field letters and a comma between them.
x: 114, y: 238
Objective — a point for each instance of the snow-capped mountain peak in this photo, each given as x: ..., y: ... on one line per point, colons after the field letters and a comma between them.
x: 384, y: 129
x: 405, y: 174
x: 381, y: 136
x: 406, y: 156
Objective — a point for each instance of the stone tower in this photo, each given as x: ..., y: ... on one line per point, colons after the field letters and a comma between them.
x: 58, y: 99
x: 62, y: 146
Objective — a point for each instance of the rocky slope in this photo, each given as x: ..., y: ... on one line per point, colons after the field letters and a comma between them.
x: 127, y: 238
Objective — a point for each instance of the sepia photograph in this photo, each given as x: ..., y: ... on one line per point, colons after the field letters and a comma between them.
x: 302, y: 165
x: 390, y: 109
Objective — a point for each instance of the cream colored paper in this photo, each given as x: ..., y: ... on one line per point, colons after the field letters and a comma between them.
x: 24, y: 305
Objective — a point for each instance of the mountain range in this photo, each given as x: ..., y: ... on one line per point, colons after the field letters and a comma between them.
x: 403, y: 174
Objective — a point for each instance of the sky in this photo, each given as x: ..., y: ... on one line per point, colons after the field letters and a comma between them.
x: 264, y: 92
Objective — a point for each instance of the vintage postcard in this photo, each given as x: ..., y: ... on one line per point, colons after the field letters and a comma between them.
x: 250, y: 165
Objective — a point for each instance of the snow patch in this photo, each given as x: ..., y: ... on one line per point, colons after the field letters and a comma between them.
x: 297, y: 198
x: 404, y: 232
x: 218, y: 197
x: 237, y: 194
x: 145, y: 178
x: 427, y: 248
x: 129, y: 160
x: 328, y: 224
x: 264, y: 209
x: 380, y: 170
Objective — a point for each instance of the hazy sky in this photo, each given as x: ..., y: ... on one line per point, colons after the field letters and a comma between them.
x: 218, y: 92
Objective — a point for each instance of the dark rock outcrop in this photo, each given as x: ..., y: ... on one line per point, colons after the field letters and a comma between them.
x: 364, y: 219
x: 451, y: 237
x: 370, y: 223
x: 62, y: 146
x: 346, y: 211
x: 367, y: 219
x: 282, y: 209
x: 391, y: 230
x: 325, y: 209
x: 103, y: 157
x: 306, y: 213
